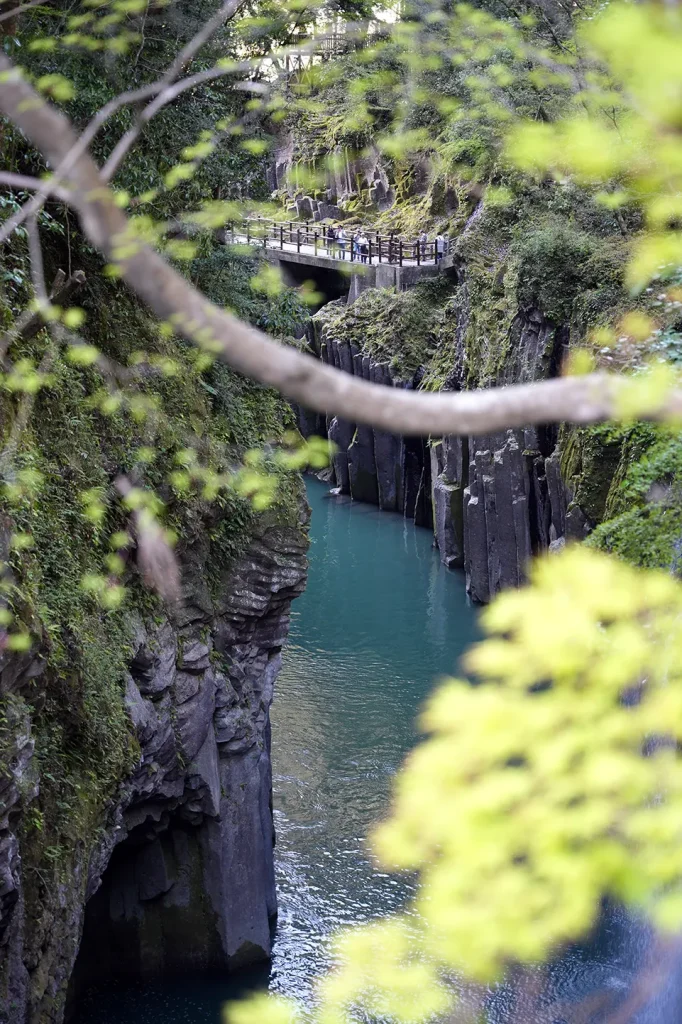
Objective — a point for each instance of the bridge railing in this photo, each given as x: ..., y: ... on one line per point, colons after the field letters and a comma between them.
x: 377, y: 248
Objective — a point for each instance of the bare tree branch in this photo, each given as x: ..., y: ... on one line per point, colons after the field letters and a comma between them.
x: 166, y: 93
x: 29, y: 184
x: 27, y: 401
x: 37, y: 269
x: 298, y: 376
x: 223, y: 14
x: 20, y: 10
x: 171, y: 92
x: 155, y: 558
x: 81, y: 144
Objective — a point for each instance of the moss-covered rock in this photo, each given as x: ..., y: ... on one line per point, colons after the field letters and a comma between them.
x: 642, y: 520
x: 401, y: 329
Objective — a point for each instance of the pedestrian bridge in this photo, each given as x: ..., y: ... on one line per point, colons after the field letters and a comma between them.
x: 388, y: 261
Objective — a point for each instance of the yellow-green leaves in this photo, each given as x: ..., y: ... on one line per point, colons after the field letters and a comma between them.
x: 83, y: 355
x: 542, y: 788
x: 385, y: 972
x: 624, y: 128
x: 25, y: 378
x: 56, y: 86
x: 262, y: 1008
x: 268, y: 280
x: 645, y: 394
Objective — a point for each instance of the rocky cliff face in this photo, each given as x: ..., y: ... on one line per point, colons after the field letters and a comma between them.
x: 178, y: 874
x: 351, y: 178
x: 492, y: 501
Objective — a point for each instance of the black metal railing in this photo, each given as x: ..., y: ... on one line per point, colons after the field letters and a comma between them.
x: 367, y: 246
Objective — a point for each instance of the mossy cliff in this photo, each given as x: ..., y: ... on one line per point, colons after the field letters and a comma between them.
x: 134, y: 741
x: 528, y: 282
x: 626, y: 484
x: 141, y: 730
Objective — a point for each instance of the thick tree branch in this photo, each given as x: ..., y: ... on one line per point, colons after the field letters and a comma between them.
x: 20, y: 10
x: 29, y: 184
x: 299, y: 377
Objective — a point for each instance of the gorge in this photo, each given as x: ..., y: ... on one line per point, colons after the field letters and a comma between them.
x: 205, y: 694
x: 379, y: 620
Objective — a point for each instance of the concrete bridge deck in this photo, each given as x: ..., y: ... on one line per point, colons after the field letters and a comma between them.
x: 375, y: 272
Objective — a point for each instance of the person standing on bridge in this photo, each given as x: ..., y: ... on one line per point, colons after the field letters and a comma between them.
x: 423, y: 239
x: 363, y: 243
x: 440, y: 247
x: 355, y: 246
x: 331, y: 240
x: 341, y: 239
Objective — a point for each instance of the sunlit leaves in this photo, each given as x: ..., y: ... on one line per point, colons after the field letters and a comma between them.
x: 83, y: 355
x: 57, y: 86
x: 540, y: 789
x: 216, y: 214
x: 23, y: 485
x: 25, y: 378
x: 73, y: 318
x: 268, y: 280
x: 385, y: 972
x: 94, y: 505
x: 108, y: 592
x: 263, y: 1008
x: 644, y: 394
x: 640, y: 47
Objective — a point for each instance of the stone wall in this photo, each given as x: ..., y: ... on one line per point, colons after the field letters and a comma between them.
x: 179, y: 875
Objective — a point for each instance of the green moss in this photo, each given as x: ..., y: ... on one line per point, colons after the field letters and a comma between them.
x: 629, y: 481
x: 590, y: 460
x: 555, y: 261
x: 648, y: 537
x: 398, y: 328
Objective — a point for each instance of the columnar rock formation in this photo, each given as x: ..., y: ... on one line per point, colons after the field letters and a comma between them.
x: 492, y: 501
x: 180, y: 872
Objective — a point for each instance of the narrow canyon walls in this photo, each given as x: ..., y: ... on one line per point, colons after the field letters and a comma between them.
x: 178, y: 873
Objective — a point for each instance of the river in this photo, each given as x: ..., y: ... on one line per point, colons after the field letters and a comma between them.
x: 379, y: 622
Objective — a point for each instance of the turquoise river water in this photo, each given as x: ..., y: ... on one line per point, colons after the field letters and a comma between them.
x: 380, y: 621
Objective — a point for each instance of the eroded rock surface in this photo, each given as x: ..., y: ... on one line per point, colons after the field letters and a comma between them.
x: 492, y: 501
x: 180, y: 875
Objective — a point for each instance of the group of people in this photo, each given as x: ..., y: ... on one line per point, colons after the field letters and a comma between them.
x: 337, y: 241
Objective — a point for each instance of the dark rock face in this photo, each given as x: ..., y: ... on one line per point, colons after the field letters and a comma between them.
x: 492, y: 501
x: 371, y: 465
x: 366, y: 173
x: 181, y: 874
x: 18, y: 785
